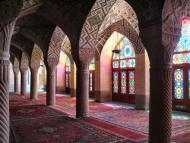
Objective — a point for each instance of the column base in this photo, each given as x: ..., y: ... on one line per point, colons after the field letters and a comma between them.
x: 16, y: 93
x: 51, y: 105
x: 34, y: 99
x: 81, y: 117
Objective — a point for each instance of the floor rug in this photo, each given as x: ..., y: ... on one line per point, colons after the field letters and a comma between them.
x: 23, y: 101
x: 133, y: 124
x: 32, y: 111
x: 138, y: 120
x: 60, y: 130
x: 123, y: 132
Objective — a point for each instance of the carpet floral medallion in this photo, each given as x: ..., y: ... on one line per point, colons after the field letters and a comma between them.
x: 59, y: 130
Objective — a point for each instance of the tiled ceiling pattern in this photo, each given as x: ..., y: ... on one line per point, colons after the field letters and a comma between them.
x: 120, y: 10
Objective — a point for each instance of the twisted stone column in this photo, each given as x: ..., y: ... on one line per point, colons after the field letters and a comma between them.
x: 82, y: 97
x: 5, y: 40
x: 16, y: 83
x: 4, y: 101
x: 160, y: 104
x: 23, y: 82
x: 34, y: 86
x: 51, y: 86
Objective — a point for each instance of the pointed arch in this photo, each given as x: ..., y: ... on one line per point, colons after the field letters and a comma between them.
x: 128, y: 31
x: 120, y: 10
x: 92, y: 25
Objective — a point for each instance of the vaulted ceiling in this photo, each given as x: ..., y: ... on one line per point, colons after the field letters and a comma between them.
x: 38, y: 19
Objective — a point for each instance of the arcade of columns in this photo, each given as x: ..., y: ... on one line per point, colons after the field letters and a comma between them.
x: 158, y: 25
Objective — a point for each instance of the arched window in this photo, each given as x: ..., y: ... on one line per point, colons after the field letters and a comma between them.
x: 67, y: 75
x: 123, y: 66
x: 181, y: 67
x: 91, y: 78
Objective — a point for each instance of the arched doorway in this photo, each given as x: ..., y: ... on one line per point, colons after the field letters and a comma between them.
x: 42, y: 74
x: 92, y: 78
x: 123, y: 71
x: 181, y: 69
x: 68, y: 76
x: 28, y: 80
x: 11, y: 76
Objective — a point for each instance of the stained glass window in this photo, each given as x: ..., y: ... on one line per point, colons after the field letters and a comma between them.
x: 126, y: 55
x: 126, y: 49
x: 178, y: 84
x: 123, y: 83
x: 67, y: 81
x: 131, y: 82
x: 67, y: 72
x: 115, y: 64
x: 115, y: 82
x: 123, y: 63
x: 181, y: 53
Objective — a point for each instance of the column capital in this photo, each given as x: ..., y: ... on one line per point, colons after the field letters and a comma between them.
x: 34, y: 69
x: 82, y: 66
x: 23, y: 70
x: 161, y: 66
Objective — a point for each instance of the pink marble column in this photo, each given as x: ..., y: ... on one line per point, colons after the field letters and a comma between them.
x: 23, y: 82
x: 82, y: 96
x: 16, y: 82
x: 34, y: 84
x: 51, y: 86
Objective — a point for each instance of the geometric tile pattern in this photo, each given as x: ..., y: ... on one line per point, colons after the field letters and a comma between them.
x: 120, y: 10
x: 91, y: 27
x: 55, y: 45
x: 66, y: 44
x: 37, y: 57
x: 123, y: 27
x: 171, y: 16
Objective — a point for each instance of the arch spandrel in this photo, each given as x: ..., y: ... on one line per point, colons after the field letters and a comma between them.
x: 120, y: 10
x: 128, y: 31
x: 172, y: 15
x: 91, y: 27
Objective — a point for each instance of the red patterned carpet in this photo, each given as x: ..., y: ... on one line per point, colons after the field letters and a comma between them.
x: 42, y: 124
x: 107, y: 123
x: 59, y: 130
x: 32, y: 111
x: 138, y: 120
